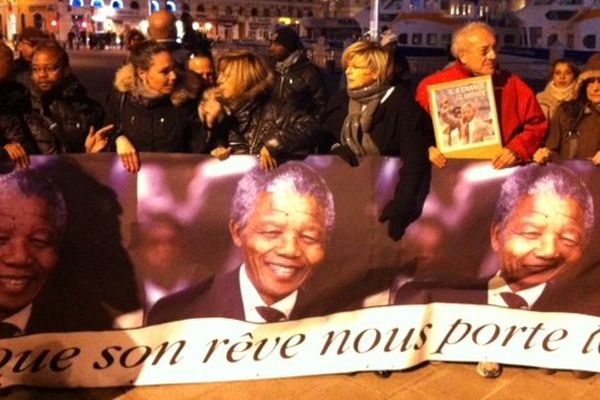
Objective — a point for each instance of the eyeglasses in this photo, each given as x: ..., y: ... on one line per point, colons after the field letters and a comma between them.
x: 48, y: 69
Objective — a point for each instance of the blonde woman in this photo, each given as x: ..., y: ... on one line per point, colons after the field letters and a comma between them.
x: 371, y: 118
x: 242, y: 118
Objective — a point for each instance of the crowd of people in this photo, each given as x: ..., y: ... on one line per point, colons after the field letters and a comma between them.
x: 170, y: 97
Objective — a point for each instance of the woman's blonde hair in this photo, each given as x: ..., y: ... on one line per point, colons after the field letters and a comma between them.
x: 250, y: 73
x: 376, y: 58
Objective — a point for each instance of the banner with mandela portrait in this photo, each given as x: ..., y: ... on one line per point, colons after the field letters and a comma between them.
x: 199, y: 270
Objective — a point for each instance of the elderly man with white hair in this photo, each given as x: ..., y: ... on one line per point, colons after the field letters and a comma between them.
x: 522, y: 122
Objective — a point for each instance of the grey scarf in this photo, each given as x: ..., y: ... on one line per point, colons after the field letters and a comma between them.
x: 356, y: 130
x: 283, y: 66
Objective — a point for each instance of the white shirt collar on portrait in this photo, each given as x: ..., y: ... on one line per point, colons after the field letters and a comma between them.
x: 251, y: 299
x: 498, y: 285
x: 21, y: 318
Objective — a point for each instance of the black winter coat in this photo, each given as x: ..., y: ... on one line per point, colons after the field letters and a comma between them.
x: 13, y: 104
x: 400, y: 128
x: 261, y: 121
x: 303, y: 87
x: 154, y: 125
x: 60, y: 121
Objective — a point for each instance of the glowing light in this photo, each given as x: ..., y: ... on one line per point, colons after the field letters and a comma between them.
x: 179, y: 27
x: 195, y: 25
x: 53, y: 23
x: 284, y: 20
x: 143, y: 25
x: 208, y: 26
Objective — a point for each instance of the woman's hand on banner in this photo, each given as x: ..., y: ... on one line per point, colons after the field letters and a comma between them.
x: 542, y: 155
x: 17, y: 154
x: 128, y: 154
x: 221, y: 153
x: 267, y: 162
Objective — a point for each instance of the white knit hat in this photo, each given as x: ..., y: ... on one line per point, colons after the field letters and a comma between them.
x: 591, y: 69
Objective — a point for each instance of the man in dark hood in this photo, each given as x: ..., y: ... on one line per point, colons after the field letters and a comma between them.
x: 298, y: 81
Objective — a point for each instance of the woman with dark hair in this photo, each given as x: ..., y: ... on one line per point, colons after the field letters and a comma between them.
x: 243, y: 119
x: 372, y: 118
x: 560, y: 87
x: 574, y: 129
x: 149, y: 111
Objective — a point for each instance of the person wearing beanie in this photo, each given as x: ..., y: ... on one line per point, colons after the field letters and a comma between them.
x: 297, y: 81
x: 574, y: 128
x: 27, y: 40
x: 399, y: 68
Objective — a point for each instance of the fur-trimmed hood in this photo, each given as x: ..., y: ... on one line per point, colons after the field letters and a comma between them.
x: 591, y: 69
x: 126, y: 82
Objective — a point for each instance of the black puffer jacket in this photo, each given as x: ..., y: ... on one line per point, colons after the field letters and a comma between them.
x: 261, y: 121
x: 303, y: 87
x: 13, y: 103
x: 59, y: 121
x: 165, y: 124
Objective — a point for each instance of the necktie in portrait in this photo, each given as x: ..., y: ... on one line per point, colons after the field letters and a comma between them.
x: 514, y: 300
x: 270, y: 314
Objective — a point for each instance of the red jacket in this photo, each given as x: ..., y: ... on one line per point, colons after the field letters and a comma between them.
x: 522, y: 121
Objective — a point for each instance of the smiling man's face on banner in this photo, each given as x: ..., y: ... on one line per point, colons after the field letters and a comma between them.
x: 542, y: 238
x: 283, y: 242
x: 28, y: 250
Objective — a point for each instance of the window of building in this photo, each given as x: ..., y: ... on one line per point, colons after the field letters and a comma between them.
x: 38, y: 21
x: 254, y: 12
x: 266, y: 12
x: 186, y: 7
x: 402, y: 38
x: 228, y: 10
x: 200, y: 8
x: 510, y: 39
x: 135, y: 5
x: 560, y: 15
x: 589, y: 42
x: 417, y: 38
x: 432, y: 39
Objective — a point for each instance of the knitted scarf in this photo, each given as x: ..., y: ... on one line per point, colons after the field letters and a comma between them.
x: 356, y: 130
x: 562, y: 94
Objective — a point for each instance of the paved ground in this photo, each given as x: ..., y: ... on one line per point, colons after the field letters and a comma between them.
x: 432, y: 382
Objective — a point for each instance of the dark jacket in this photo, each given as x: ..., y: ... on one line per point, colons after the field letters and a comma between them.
x: 400, y: 128
x: 219, y: 296
x: 261, y: 121
x: 21, y: 72
x: 13, y: 103
x: 574, y: 131
x: 165, y: 124
x: 303, y: 87
x: 60, y: 121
